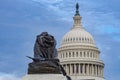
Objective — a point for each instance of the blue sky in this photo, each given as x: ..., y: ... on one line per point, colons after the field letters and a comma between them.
x: 22, y: 20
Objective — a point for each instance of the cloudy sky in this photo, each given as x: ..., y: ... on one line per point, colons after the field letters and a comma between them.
x: 22, y: 20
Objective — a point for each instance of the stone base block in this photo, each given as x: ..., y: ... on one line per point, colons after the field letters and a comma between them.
x: 44, y: 77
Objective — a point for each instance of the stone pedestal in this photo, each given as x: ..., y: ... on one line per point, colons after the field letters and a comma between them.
x: 44, y: 77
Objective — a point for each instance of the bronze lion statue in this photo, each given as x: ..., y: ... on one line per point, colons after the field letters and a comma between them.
x: 45, y: 57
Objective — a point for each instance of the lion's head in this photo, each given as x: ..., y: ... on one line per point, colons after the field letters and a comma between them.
x: 46, y: 40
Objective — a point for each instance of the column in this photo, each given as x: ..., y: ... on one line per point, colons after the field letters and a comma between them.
x: 74, y: 69
x: 100, y: 72
x: 79, y: 69
x: 63, y: 66
x: 96, y: 70
x: 87, y: 69
x: 70, y: 69
x: 82, y: 54
x: 68, y: 54
x: 92, y: 69
x: 66, y: 68
x: 103, y: 71
x: 83, y: 69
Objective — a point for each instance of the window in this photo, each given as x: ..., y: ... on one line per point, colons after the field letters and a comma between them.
x: 68, y: 39
x: 76, y: 54
x: 73, y: 54
x: 71, y: 39
x: 79, y: 38
x: 69, y: 54
x: 76, y: 39
x: 88, y: 39
x: 87, y: 54
x: 91, y: 54
x: 82, y: 38
x: 84, y: 54
x: 66, y: 54
x: 80, y: 54
x: 63, y: 55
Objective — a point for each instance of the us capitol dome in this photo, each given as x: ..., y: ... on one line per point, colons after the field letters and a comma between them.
x: 78, y: 53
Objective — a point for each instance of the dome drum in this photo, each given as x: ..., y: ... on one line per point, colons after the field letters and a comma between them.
x: 84, y: 69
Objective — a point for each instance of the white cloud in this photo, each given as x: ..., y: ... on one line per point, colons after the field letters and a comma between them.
x: 48, y: 1
x: 49, y: 4
x: 5, y: 76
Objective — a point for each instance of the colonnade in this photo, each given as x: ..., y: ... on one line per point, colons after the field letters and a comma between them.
x: 84, y: 69
x: 78, y: 54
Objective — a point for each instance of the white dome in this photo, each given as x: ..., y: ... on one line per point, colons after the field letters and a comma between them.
x: 78, y: 53
x: 78, y: 36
